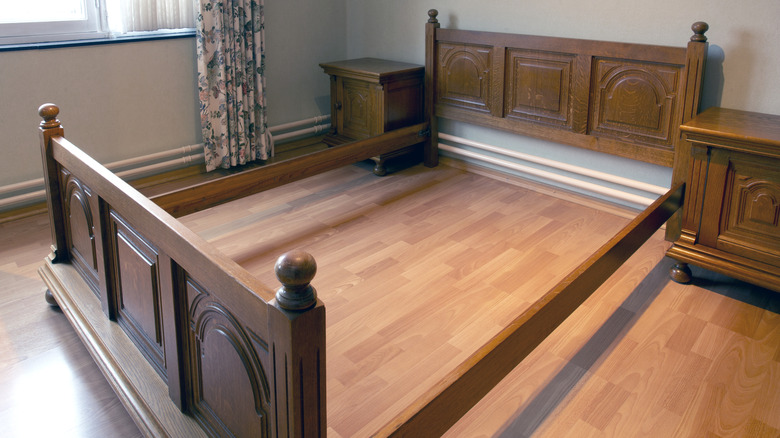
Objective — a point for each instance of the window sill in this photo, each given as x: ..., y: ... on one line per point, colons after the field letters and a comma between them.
x: 141, y: 36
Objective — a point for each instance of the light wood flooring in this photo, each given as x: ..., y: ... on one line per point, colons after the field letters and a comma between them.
x: 416, y: 269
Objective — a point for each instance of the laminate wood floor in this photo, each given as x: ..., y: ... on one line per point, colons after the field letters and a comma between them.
x: 461, y: 254
x: 49, y: 384
x: 422, y: 267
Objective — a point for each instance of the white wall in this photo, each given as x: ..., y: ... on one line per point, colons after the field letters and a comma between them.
x: 125, y: 100
x: 743, y: 65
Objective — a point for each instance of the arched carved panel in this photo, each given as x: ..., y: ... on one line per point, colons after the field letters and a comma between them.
x: 80, y: 228
x: 539, y: 86
x: 635, y: 101
x: 230, y: 392
x: 464, y: 76
x: 752, y: 207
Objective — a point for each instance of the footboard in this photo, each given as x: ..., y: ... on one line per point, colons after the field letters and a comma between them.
x: 191, y: 342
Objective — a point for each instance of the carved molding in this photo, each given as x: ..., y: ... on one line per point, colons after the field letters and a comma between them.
x: 465, y: 77
x: 635, y: 101
x: 80, y: 229
x: 230, y: 389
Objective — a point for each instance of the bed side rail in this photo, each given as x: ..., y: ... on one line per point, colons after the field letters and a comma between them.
x: 436, y: 411
x: 221, y: 346
x: 208, y: 194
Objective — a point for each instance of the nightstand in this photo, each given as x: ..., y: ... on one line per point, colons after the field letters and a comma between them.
x: 731, y: 212
x: 371, y: 96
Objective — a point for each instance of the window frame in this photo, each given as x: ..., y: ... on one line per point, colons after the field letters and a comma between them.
x: 94, y: 29
x: 94, y: 26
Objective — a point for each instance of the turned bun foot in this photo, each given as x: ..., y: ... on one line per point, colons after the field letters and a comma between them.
x: 50, y: 298
x: 680, y: 273
x: 379, y: 169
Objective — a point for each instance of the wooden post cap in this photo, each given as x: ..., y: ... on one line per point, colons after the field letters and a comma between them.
x: 698, y: 29
x: 432, y: 13
x: 295, y: 270
x: 49, y: 112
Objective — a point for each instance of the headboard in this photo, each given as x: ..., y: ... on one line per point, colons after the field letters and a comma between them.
x: 619, y: 98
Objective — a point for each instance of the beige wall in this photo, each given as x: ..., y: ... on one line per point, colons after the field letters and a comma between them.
x: 125, y: 100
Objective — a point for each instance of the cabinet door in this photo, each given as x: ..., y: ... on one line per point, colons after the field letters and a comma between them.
x: 746, y: 191
x: 358, y: 108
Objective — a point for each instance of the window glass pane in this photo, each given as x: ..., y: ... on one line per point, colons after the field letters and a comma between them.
x: 31, y: 11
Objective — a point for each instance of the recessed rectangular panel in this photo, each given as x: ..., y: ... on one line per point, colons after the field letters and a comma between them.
x: 137, y: 289
x: 538, y: 86
x: 356, y: 106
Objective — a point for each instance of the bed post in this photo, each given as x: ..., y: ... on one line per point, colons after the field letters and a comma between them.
x: 297, y: 321
x: 50, y: 127
x: 431, y: 151
x: 696, y: 58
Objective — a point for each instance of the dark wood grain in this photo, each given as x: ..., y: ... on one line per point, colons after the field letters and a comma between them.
x: 178, y: 360
x: 618, y: 98
x: 731, y: 221
x: 370, y: 97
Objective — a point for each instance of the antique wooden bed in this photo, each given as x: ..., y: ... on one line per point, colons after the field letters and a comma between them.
x: 194, y: 344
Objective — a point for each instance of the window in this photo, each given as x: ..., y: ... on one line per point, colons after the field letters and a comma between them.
x: 48, y: 20
x: 30, y: 21
x: 127, y: 16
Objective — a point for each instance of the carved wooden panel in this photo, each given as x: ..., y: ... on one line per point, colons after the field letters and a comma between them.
x: 357, y: 106
x: 137, y: 291
x: 539, y: 86
x: 751, y: 213
x: 80, y: 227
x: 635, y: 101
x: 465, y: 76
x: 230, y: 392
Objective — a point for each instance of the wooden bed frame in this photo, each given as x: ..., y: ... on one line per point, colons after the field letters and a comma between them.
x: 194, y: 345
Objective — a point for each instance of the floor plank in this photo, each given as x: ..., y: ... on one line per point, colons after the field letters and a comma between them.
x: 642, y: 357
x: 49, y: 385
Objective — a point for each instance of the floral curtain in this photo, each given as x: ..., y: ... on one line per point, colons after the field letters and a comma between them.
x: 231, y: 82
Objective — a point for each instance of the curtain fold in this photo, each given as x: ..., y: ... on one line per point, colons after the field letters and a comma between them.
x: 231, y: 82
x: 149, y: 15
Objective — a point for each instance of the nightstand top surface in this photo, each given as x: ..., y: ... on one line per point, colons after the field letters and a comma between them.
x: 736, y: 125
x: 373, y: 67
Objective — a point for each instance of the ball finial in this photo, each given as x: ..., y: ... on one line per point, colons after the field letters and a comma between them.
x: 49, y: 112
x: 698, y: 29
x: 295, y: 270
x: 432, y: 13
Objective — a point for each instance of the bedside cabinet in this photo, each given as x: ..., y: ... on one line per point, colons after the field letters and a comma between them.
x: 371, y: 96
x: 731, y: 211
